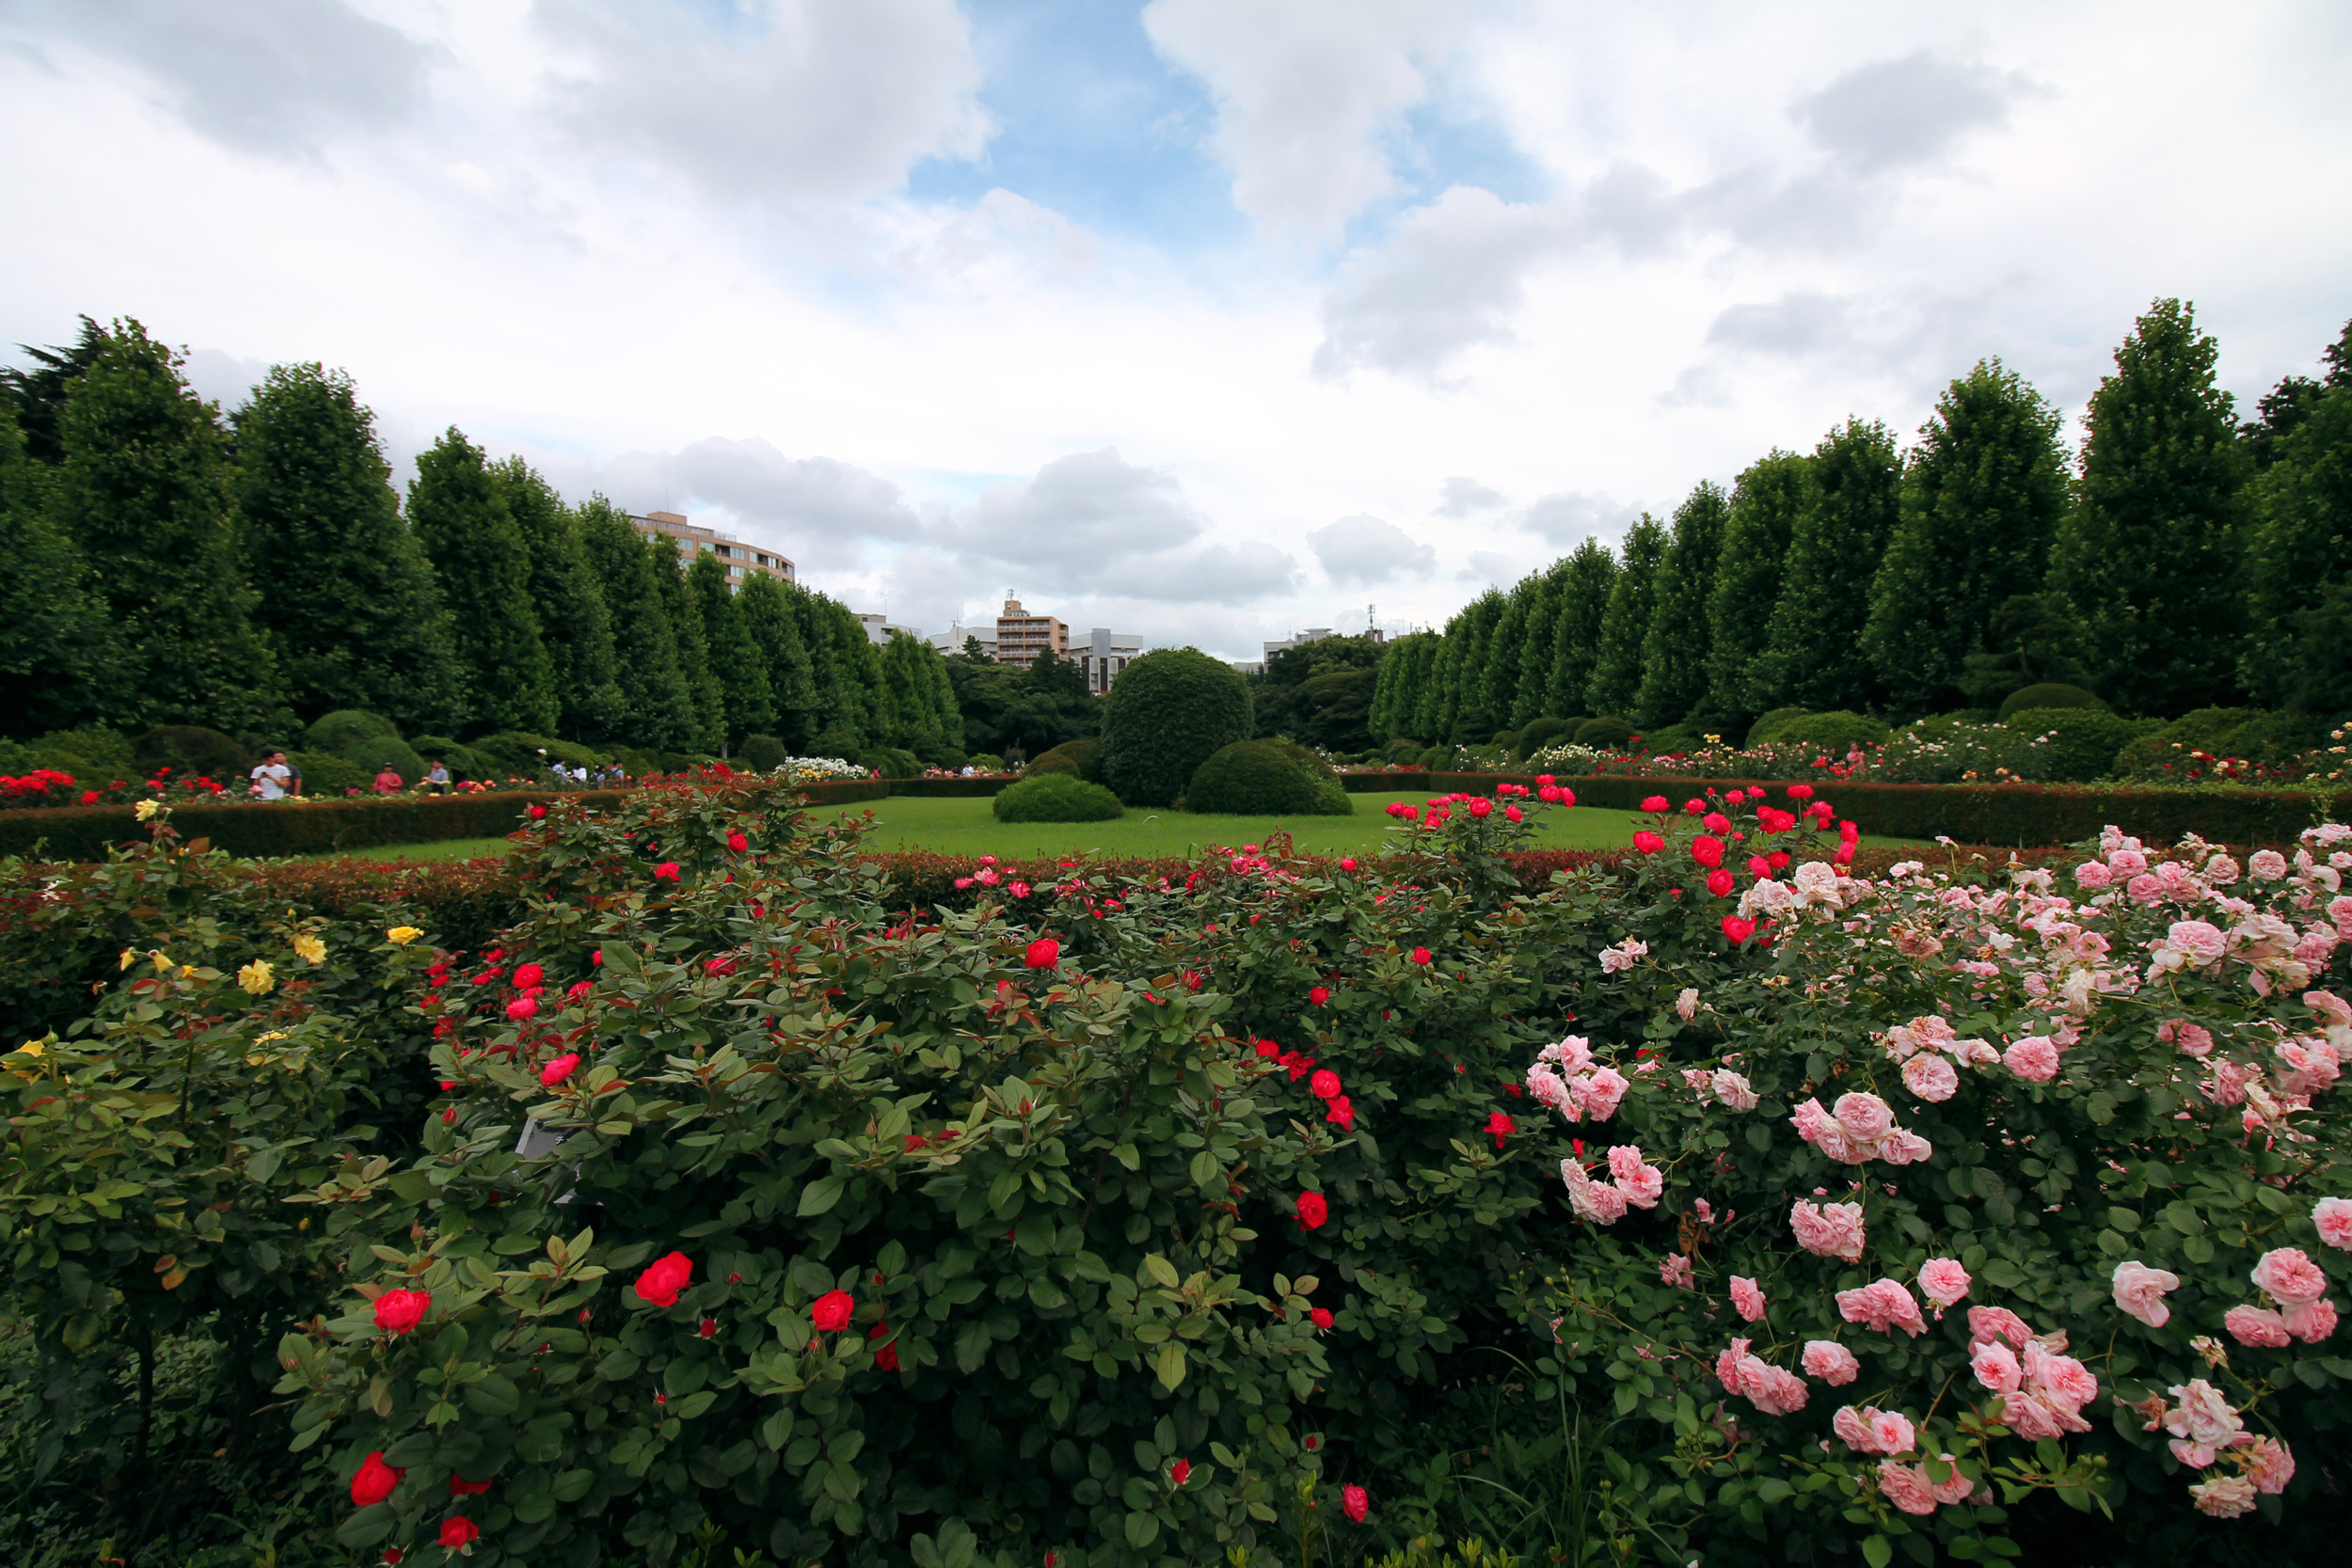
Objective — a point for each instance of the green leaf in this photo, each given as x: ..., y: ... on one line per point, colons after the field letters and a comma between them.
x: 1878, y: 1551
x: 1161, y: 1270
x: 1170, y: 1364
x: 821, y: 1195
x: 1142, y: 1530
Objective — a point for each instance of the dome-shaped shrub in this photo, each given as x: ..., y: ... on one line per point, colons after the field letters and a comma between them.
x: 460, y: 759
x: 1082, y: 757
x: 1437, y: 759
x: 1605, y: 733
x: 192, y: 748
x: 2046, y: 695
x: 1829, y: 732
x: 764, y: 753
x: 1169, y: 712
x: 373, y: 756
x: 339, y: 731
x: 1266, y: 778
x: 1540, y: 733
x: 1057, y: 797
x: 2076, y: 745
x: 1766, y: 729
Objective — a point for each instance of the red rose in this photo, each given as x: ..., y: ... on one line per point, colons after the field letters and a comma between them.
x: 1715, y: 822
x: 708, y: 1327
x: 393, y: 1556
x: 1800, y: 792
x: 886, y: 1358
x: 1338, y: 1109
x: 1760, y: 866
x: 459, y: 1534
x: 522, y: 1008
x: 1779, y: 859
x: 536, y: 812
x: 1736, y: 931
x: 559, y: 1069
x: 1348, y: 863
x: 1420, y: 955
x: 1320, y: 1317
x: 737, y: 842
x: 1313, y: 1210
x: 666, y: 872
x: 1655, y: 803
x: 597, y: 957
x: 375, y: 1481
x: 663, y: 1278
x: 398, y: 1311
x: 528, y: 975
x: 1181, y: 1471
x: 460, y: 1488
x: 1513, y: 813
x: 1500, y: 1127
x: 1268, y: 1050
x: 1319, y: 995
x: 1648, y: 842
x: 719, y: 966
x: 1482, y: 808
x: 831, y: 1311
x: 1707, y: 851
x: 1355, y: 1502
x: 1720, y: 884
x: 1324, y: 1084
x: 1045, y: 953
x: 580, y: 989
x: 1693, y: 806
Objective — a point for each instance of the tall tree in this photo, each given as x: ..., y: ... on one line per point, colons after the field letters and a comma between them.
x: 1592, y: 576
x: 1534, y: 691
x: 2151, y: 554
x: 748, y: 696
x: 143, y: 488
x: 2298, y: 557
x: 845, y: 669
x: 775, y: 632
x: 1981, y: 498
x: 2280, y: 411
x: 484, y: 570
x: 57, y: 652
x: 570, y: 604
x: 1500, y: 671
x: 1676, y: 643
x: 1468, y: 719
x: 354, y: 613
x: 1766, y: 502
x: 1814, y: 653
x: 1616, y: 676
x: 1397, y: 688
x: 39, y: 394
x: 706, y: 699
x: 657, y: 709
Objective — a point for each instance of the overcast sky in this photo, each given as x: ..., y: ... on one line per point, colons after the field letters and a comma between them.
x: 1208, y: 320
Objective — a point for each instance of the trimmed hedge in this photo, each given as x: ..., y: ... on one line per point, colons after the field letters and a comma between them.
x: 2014, y: 814
x: 949, y: 789
x: 261, y: 830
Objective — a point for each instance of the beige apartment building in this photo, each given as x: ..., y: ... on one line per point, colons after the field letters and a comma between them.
x: 741, y: 560
x: 1021, y: 637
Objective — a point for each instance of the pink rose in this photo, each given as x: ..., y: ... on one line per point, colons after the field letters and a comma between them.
x: 2269, y: 1464
x: 1942, y: 1282
x: 1831, y: 1362
x: 1601, y: 1092
x: 2267, y: 865
x: 1642, y: 1185
x: 1828, y: 1229
x: 1906, y: 1488
x: 1746, y: 1299
x: 2223, y: 1496
x: 2203, y: 1415
x: 2291, y: 1277
x: 2033, y: 1059
x: 1930, y: 1077
x: 1988, y: 1324
x: 1881, y: 1305
x: 2090, y: 873
x: 1873, y: 1431
x: 1775, y: 1390
x: 1995, y: 1365
x: 1864, y: 1118
x: 2140, y: 1291
x: 2199, y: 941
x: 2309, y: 1321
x: 2258, y: 1326
x: 2334, y: 1216
x: 1905, y: 1149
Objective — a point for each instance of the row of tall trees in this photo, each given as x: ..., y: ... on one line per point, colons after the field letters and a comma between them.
x: 168, y: 566
x: 2184, y: 561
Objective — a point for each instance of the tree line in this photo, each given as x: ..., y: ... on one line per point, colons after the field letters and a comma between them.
x: 249, y: 573
x: 2185, y: 560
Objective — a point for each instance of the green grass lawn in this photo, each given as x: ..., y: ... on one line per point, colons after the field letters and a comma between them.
x: 969, y: 826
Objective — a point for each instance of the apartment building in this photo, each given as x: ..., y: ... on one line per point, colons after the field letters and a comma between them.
x: 879, y: 627
x: 741, y: 560
x: 1021, y: 637
x: 1105, y: 654
x: 952, y: 639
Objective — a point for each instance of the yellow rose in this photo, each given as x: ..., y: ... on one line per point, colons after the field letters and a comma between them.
x: 401, y: 936
x: 256, y: 978
x: 309, y: 949
x: 146, y: 809
x: 31, y: 1048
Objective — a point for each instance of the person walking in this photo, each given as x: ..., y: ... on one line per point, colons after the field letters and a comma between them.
x: 436, y: 777
x: 272, y: 779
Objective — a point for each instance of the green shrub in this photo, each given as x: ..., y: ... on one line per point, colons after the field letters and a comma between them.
x: 1674, y: 740
x: 1056, y: 798
x: 1538, y: 733
x: 93, y: 752
x: 2257, y: 736
x: 459, y: 758
x: 1170, y: 711
x: 836, y: 742
x: 1266, y: 777
x: 1766, y: 729
x: 190, y: 750
x: 1507, y: 740
x: 1436, y: 758
x: 519, y: 754
x: 327, y: 776
x: 984, y: 762
x: 345, y: 728
x: 1082, y: 758
x: 371, y: 757
x: 1403, y: 748
x: 892, y: 762
x: 1831, y: 733
x: 2074, y: 745
x: 764, y: 753
x: 1607, y: 733
x: 2047, y: 694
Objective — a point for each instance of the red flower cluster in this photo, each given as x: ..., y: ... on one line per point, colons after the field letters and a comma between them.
x: 886, y: 1357
x: 1500, y: 1127
x: 663, y: 1278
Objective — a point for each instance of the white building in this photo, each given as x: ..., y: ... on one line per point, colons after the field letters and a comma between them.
x: 1312, y: 634
x: 877, y: 629
x: 952, y: 639
x: 1105, y: 654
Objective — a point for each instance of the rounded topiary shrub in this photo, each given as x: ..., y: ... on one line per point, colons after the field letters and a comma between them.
x: 764, y: 753
x: 1266, y: 777
x: 459, y: 758
x: 1766, y: 729
x: 2049, y: 694
x: 1403, y: 748
x: 1170, y: 711
x: 1540, y: 733
x: 1436, y: 758
x: 189, y: 749
x: 985, y: 762
x: 1057, y: 797
x: 1082, y: 758
x: 372, y: 756
x: 2076, y: 745
x: 339, y: 731
x: 891, y: 761
x: 1831, y: 731
x: 1605, y: 731
x: 326, y: 776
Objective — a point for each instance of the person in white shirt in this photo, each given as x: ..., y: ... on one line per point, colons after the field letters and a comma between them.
x: 273, y: 777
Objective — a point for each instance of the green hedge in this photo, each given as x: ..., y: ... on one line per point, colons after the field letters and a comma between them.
x: 2011, y: 815
x: 259, y: 830
x: 956, y: 789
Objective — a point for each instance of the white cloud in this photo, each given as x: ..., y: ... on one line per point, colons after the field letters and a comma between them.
x: 1309, y: 94
x: 1572, y: 516
x: 817, y: 510
x: 798, y: 99
x: 1460, y: 495
x: 1079, y: 513
x: 1451, y: 278
x: 1909, y: 110
x: 1365, y: 549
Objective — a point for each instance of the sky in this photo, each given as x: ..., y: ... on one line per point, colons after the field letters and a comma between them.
x: 1206, y: 321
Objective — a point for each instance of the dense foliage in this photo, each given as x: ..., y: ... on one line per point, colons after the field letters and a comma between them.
x: 1170, y: 711
x: 1056, y: 796
x: 1266, y: 778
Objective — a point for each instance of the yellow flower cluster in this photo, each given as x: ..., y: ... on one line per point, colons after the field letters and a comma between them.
x: 146, y: 809
x: 401, y: 936
x: 257, y: 978
x: 309, y: 949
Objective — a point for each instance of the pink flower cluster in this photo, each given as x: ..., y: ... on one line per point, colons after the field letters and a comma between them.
x: 1721, y: 1083
x: 2205, y: 1430
x: 1565, y: 1078
x: 1623, y: 955
x: 1860, y: 1129
x: 2042, y: 1389
x: 1773, y: 1390
x: 2289, y: 1278
x: 2140, y: 1292
x: 1931, y: 1053
x: 1881, y: 1305
x: 1632, y: 1182
x: 1828, y: 1229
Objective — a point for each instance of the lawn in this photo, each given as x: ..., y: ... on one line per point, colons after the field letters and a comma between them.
x: 969, y: 826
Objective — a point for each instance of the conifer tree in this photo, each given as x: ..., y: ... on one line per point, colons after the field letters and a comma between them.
x: 776, y: 631
x: 706, y: 699
x: 2300, y: 554
x: 2151, y: 554
x: 570, y: 604
x: 1500, y: 671
x: 1814, y: 657
x: 143, y: 488
x: 39, y: 394
x: 845, y: 671
x: 1675, y: 642
x: 1981, y: 499
x: 1766, y: 502
x: 1534, y: 690
x: 56, y: 649
x: 485, y: 571
x: 354, y: 610
x: 656, y: 710
x: 1616, y: 676
x: 1592, y: 576
x: 1467, y: 720
x: 736, y: 658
